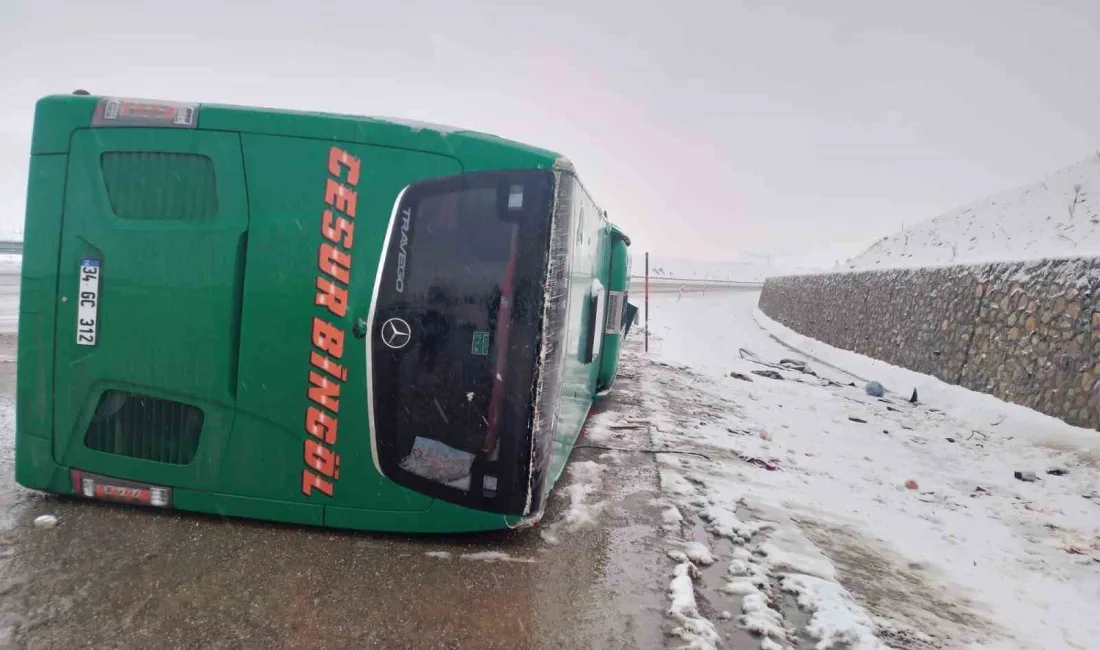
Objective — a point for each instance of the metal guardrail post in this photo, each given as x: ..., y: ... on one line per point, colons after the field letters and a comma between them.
x: 647, y: 302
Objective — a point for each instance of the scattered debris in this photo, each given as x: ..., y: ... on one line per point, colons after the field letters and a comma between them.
x: 1057, y: 471
x: 911, y: 485
x: 979, y: 490
x: 800, y: 366
x: 741, y: 376
x: 855, y: 419
x: 1027, y: 477
x: 785, y: 364
x: 891, y: 408
x: 875, y: 389
x: 913, y: 399
x: 770, y: 465
x: 770, y: 374
x: 45, y: 521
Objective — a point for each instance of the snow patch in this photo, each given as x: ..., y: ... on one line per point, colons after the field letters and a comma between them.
x: 758, y: 616
x: 836, y: 622
x: 671, y: 515
x: 780, y: 561
x: 495, y: 556
x: 443, y: 555
x: 693, y: 627
x: 698, y: 553
x: 723, y: 523
x: 673, y: 482
x: 586, y: 481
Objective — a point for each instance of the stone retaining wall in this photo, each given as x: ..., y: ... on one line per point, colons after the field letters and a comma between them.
x: 1026, y: 332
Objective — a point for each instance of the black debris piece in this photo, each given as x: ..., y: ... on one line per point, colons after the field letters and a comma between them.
x: 913, y: 399
x: 1057, y: 471
x: 1026, y: 477
x: 950, y: 440
x: 742, y: 377
x: 855, y: 419
x: 770, y: 374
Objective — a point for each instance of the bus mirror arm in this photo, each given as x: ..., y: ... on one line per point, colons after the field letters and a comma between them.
x: 359, y: 329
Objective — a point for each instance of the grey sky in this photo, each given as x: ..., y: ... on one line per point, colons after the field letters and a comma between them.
x: 802, y: 129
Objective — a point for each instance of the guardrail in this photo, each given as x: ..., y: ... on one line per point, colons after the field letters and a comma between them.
x: 11, y: 247
x: 689, y: 285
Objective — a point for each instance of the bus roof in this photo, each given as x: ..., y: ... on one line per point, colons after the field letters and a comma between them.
x: 57, y: 116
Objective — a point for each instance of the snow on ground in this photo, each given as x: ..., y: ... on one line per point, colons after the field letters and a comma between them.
x: 584, y: 481
x: 1056, y: 217
x: 839, y: 520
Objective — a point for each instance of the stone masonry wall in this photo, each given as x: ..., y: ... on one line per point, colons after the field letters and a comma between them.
x: 1026, y: 332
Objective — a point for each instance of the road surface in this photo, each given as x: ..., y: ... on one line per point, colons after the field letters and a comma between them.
x: 121, y: 577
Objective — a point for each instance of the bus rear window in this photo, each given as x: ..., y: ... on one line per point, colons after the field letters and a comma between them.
x: 456, y: 336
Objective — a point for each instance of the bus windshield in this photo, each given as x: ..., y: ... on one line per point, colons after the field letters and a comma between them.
x: 455, y: 337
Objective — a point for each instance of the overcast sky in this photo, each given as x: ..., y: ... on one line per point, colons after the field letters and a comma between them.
x: 707, y: 130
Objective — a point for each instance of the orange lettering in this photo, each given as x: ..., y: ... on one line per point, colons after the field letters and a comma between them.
x: 324, y: 392
x: 337, y: 157
x: 311, y: 481
x: 328, y: 338
x: 335, y: 262
x: 332, y: 232
x: 321, y: 458
x: 328, y: 365
x: 320, y: 425
x: 340, y: 197
x: 332, y: 297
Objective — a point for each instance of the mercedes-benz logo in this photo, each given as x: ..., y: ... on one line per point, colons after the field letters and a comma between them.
x: 396, y: 333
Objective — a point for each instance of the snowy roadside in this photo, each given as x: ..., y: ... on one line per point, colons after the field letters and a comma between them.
x: 823, y: 517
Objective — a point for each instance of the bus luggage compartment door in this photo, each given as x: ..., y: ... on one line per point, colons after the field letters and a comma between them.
x: 149, y: 294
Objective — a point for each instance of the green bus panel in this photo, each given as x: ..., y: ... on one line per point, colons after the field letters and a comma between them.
x: 265, y: 457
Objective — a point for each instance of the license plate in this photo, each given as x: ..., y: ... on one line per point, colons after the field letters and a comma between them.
x: 87, y: 311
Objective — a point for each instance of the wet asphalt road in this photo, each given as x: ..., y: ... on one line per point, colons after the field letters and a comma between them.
x: 113, y: 576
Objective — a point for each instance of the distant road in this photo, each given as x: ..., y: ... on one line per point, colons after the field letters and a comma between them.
x: 9, y: 298
x: 672, y: 285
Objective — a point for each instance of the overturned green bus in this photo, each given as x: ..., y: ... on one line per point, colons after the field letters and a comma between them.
x: 311, y: 318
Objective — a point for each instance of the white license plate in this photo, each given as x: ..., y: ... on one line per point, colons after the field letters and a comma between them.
x: 87, y: 311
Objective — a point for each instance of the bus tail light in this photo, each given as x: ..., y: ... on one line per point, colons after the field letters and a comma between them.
x: 113, y: 111
x: 105, y: 488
